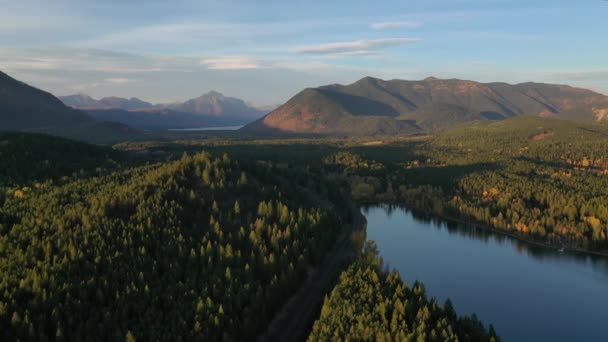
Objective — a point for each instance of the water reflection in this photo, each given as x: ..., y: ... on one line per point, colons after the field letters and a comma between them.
x: 529, y: 292
x: 599, y: 263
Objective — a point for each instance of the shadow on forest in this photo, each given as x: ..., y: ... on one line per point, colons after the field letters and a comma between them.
x: 593, y: 131
x: 445, y: 176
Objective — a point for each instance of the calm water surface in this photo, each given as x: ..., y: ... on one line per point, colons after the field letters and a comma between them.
x: 528, y: 293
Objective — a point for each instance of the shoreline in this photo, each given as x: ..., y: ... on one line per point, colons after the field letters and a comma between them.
x: 487, y: 227
x: 515, y: 236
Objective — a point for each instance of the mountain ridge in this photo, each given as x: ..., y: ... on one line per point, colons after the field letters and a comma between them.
x: 426, y: 104
x: 211, y: 109
x: 212, y: 103
x: 26, y: 108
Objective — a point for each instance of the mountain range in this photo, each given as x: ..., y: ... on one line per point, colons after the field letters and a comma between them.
x: 207, y: 110
x: 83, y: 101
x: 375, y: 106
x: 369, y: 106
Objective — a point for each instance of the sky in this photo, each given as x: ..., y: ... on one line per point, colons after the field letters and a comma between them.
x: 266, y: 51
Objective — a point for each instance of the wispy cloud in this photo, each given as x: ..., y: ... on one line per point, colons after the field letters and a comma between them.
x: 119, y: 80
x: 235, y: 63
x: 211, y: 34
x: 69, y: 59
x: 357, y: 47
x: 395, y: 24
x: 122, y: 68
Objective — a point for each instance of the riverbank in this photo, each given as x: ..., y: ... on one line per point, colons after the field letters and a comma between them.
x: 487, y: 227
x: 500, y: 279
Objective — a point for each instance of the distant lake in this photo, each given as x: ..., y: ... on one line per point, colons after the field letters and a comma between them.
x: 529, y: 293
x: 222, y: 128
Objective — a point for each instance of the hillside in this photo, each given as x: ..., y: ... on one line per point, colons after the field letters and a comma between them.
x: 202, y: 239
x: 24, y: 107
x: 432, y: 103
x: 323, y: 111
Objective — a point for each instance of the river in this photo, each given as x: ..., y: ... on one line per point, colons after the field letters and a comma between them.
x: 528, y: 292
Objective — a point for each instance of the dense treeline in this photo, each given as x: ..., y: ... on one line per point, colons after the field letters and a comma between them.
x: 26, y: 158
x: 541, y: 179
x: 202, y: 248
x: 96, y: 245
x: 544, y: 179
x: 369, y: 304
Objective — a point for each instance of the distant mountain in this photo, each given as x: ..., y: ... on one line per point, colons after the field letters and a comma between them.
x: 216, y: 104
x: 375, y: 106
x: 79, y: 101
x: 83, y: 101
x: 25, y: 108
x: 209, y: 110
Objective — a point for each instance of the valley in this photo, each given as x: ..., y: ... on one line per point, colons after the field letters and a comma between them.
x: 257, y: 233
x: 220, y: 196
x: 418, y: 171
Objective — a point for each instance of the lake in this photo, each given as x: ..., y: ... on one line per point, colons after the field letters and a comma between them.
x: 529, y: 293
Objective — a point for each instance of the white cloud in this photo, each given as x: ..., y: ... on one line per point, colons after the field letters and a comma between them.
x: 395, y: 24
x: 357, y: 47
x: 235, y: 63
x: 187, y: 35
x: 69, y: 59
x: 118, y: 80
x: 119, y: 68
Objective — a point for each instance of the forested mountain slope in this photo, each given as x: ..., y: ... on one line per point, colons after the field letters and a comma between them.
x: 199, y: 248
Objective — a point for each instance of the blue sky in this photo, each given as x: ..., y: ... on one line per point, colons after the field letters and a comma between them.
x: 265, y: 51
